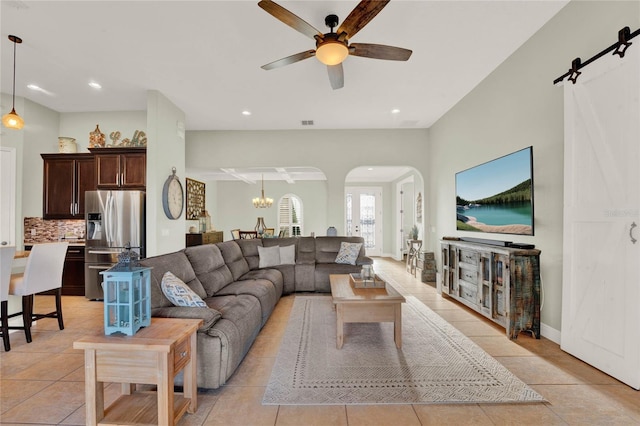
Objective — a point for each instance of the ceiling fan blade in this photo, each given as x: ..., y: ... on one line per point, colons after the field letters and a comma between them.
x: 364, y: 12
x: 336, y: 76
x: 379, y: 51
x: 289, y: 60
x: 289, y: 18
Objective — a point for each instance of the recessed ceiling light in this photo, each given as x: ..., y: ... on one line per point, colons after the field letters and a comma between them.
x: 37, y: 88
x: 246, y: 112
x: 395, y: 111
x: 370, y: 168
x: 95, y: 85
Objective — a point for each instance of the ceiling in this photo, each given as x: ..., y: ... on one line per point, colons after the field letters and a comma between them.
x: 205, y: 56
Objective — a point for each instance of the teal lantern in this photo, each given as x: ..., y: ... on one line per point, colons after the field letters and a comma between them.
x: 127, y: 299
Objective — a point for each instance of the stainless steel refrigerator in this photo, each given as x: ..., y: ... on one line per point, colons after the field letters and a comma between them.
x: 115, y: 220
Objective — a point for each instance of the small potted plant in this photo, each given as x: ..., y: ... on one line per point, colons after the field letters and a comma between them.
x: 413, y: 234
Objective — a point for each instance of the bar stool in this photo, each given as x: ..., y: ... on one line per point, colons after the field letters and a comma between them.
x: 413, y: 249
x: 43, y: 272
x: 6, y: 259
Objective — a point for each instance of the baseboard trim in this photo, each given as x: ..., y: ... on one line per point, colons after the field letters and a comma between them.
x: 550, y: 333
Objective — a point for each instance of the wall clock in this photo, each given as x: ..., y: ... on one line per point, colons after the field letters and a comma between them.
x: 172, y: 196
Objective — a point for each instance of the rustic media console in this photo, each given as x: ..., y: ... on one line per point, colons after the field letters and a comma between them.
x: 501, y: 283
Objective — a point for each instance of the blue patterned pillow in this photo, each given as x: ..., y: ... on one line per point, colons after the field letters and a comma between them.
x: 179, y: 293
x: 348, y: 253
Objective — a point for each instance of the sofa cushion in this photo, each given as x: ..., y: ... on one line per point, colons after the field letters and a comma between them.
x: 249, y: 249
x: 233, y: 258
x: 269, y: 256
x: 179, y: 293
x: 287, y: 255
x: 241, y: 318
x: 261, y: 289
x: 179, y: 265
x: 348, y: 253
x: 209, y: 267
x: 273, y: 275
x: 327, y: 248
x: 306, y: 253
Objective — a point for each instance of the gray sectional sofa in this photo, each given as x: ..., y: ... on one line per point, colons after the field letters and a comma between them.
x: 240, y: 295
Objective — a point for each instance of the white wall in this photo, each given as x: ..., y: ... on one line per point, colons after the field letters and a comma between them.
x: 165, y: 150
x: 517, y: 106
x: 78, y: 125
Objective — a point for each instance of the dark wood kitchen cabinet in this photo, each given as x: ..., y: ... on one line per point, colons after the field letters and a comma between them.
x: 73, y: 273
x: 66, y: 178
x: 120, y: 168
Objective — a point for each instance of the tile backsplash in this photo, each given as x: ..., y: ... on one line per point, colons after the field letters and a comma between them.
x: 38, y: 230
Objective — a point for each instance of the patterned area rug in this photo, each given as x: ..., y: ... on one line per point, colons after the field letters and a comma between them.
x: 437, y: 363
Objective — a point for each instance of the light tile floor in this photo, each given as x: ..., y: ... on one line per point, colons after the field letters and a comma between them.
x: 43, y: 382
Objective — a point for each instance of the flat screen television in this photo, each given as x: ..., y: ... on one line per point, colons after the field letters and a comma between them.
x: 497, y: 196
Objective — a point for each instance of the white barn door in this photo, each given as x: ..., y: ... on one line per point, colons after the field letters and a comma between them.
x: 601, y: 272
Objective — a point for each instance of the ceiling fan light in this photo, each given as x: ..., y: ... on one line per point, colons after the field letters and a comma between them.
x: 12, y: 120
x: 332, y: 52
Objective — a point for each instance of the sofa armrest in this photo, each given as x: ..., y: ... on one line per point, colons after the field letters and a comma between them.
x: 364, y: 260
x: 209, y: 316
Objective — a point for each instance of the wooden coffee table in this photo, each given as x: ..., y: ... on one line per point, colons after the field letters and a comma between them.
x: 365, y: 305
x: 154, y: 355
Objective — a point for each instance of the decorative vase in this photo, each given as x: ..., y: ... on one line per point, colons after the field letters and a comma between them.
x: 260, y: 226
x: 332, y: 231
x: 97, y: 138
x: 66, y: 144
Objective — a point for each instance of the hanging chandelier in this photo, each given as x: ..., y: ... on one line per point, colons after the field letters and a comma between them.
x: 262, y: 202
x: 12, y: 120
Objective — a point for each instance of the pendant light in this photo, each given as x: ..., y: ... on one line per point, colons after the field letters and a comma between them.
x: 12, y: 120
x: 262, y: 202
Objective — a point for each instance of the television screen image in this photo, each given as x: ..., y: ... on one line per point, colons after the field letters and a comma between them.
x: 497, y: 196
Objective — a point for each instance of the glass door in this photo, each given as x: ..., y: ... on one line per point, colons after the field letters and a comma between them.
x: 364, y: 217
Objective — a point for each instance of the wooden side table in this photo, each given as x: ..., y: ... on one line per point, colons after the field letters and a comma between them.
x: 413, y: 248
x: 154, y: 355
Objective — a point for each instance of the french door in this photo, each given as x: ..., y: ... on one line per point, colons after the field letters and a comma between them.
x: 364, y: 217
x: 601, y: 256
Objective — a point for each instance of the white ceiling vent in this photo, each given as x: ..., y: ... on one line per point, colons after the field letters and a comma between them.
x: 307, y: 122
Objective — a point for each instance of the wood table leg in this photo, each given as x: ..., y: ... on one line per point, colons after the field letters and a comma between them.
x: 165, y: 389
x: 93, y: 389
x: 340, y: 325
x: 190, y: 390
x: 397, y: 325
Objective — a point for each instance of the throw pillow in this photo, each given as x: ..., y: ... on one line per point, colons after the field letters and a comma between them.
x: 269, y: 256
x: 348, y: 253
x: 179, y: 293
x: 288, y: 255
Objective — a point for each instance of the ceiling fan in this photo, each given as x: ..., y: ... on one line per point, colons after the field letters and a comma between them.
x: 333, y: 47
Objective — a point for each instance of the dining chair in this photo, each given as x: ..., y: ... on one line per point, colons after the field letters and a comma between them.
x: 235, y: 234
x: 43, y: 272
x: 247, y: 235
x: 6, y: 259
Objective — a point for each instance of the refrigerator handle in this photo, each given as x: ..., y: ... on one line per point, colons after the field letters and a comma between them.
x: 113, y: 219
x: 106, y: 222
